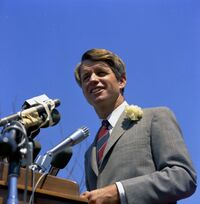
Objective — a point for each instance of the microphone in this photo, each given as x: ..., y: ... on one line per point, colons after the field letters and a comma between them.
x: 75, y: 138
x: 35, y: 105
x: 43, y: 162
x: 60, y: 160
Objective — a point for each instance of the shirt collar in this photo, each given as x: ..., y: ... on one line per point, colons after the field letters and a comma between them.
x: 114, y: 116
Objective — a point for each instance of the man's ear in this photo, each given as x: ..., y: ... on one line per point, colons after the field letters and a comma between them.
x: 122, y: 81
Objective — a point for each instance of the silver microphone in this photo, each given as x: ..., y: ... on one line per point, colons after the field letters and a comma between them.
x: 75, y: 138
x: 43, y: 162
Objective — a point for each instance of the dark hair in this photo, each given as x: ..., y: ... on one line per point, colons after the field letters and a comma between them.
x: 103, y: 55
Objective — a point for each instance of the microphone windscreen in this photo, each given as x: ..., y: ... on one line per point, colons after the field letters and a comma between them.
x: 61, y: 158
x: 55, y: 115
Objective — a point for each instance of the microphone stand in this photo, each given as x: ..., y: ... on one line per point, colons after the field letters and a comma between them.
x: 13, y: 174
x: 14, y: 140
x: 11, y: 135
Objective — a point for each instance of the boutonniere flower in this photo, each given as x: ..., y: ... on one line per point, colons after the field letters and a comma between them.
x: 133, y: 112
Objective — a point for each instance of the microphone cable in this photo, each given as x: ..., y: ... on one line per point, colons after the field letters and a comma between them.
x: 36, y: 185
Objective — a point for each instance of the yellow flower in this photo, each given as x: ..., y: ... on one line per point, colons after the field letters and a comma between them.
x: 133, y: 112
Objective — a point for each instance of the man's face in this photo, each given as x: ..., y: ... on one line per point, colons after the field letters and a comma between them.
x: 99, y: 84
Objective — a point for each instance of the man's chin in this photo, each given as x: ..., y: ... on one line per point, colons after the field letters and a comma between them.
x: 98, y: 101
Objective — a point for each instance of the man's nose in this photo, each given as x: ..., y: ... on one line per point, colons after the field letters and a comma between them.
x: 93, y: 77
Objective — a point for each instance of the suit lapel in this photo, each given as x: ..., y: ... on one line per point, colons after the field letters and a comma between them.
x: 121, y: 126
x: 94, y: 159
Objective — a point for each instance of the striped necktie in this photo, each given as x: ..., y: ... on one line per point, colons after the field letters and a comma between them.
x: 102, y: 138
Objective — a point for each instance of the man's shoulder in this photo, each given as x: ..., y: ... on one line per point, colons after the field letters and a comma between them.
x: 161, y: 111
x: 158, y: 108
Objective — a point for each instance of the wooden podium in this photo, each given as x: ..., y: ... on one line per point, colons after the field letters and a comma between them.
x: 51, y: 189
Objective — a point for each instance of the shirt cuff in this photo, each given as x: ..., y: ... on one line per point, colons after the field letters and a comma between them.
x: 121, y: 193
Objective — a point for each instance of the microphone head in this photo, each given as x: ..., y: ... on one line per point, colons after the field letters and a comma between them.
x: 57, y: 102
x: 80, y: 137
x: 55, y: 115
x: 85, y: 131
x: 61, y: 158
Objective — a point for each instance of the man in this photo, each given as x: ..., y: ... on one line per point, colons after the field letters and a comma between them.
x: 143, y: 158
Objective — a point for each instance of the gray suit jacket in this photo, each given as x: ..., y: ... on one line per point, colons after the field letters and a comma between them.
x: 148, y: 157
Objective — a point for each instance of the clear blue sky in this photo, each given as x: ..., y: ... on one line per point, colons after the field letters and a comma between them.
x: 41, y: 41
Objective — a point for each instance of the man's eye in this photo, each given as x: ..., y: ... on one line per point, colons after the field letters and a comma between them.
x: 101, y: 73
x: 85, y: 77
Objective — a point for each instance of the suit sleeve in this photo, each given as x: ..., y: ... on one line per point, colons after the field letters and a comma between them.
x: 174, y: 178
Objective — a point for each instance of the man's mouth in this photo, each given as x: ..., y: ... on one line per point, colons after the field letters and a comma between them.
x: 96, y: 90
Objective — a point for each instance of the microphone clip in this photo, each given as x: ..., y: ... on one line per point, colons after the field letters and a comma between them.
x: 42, y: 163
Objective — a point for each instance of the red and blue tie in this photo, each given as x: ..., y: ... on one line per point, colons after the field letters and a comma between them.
x: 102, y: 139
